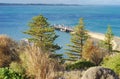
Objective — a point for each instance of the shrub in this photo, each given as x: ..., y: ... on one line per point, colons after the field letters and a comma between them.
x: 6, y: 73
x: 79, y: 65
x: 7, y: 51
x: 112, y: 62
x: 93, y: 52
x: 17, y: 67
x: 38, y: 64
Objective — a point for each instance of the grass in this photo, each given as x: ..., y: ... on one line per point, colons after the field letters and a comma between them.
x: 38, y: 63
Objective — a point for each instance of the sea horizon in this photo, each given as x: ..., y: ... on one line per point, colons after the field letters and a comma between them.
x: 59, y: 4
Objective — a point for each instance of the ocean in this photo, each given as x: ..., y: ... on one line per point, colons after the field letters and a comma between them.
x: 14, y: 19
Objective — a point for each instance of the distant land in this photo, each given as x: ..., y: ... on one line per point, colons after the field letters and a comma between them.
x: 40, y: 4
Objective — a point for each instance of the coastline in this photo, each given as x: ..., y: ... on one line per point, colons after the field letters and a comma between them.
x: 100, y: 36
x: 94, y: 35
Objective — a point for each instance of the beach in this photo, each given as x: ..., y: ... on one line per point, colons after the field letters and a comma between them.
x: 100, y: 36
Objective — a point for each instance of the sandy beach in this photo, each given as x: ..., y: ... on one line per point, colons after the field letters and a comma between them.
x: 100, y: 36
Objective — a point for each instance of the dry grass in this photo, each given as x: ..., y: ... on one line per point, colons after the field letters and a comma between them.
x: 7, y: 51
x: 38, y: 63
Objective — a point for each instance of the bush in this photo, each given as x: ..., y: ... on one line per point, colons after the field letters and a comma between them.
x: 93, y: 52
x: 6, y: 73
x: 17, y: 67
x: 7, y: 51
x: 38, y: 64
x: 112, y: 62
x: 79, y: 65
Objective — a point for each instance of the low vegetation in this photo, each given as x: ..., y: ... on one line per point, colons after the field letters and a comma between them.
x: 7, y: 73
x: 79, y: 65
x: 38, y: 63
x: 33, y: 62
x: 112, y: 62
x: 92, y: 52
x: 8, y: 49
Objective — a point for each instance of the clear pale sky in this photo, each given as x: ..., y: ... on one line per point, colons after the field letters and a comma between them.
x: 82, y: 2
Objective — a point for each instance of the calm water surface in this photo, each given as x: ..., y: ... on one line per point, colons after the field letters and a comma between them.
x: 14, y: 19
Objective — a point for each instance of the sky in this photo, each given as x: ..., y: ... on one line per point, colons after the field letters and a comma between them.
x: 81, y: 2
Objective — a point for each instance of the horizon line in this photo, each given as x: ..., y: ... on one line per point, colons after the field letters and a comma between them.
x: 55, y: 4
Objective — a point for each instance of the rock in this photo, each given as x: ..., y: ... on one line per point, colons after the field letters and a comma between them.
x: 99, y: 73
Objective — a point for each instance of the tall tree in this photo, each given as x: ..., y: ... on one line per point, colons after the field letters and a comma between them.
x: 108, y: 39
x: 78, y: 39
x: 42, y: 34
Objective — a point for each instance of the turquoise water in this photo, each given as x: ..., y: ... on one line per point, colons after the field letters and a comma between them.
x: 14, y: 19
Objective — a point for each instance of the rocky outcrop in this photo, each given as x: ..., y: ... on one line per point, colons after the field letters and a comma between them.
x: 99, y: 73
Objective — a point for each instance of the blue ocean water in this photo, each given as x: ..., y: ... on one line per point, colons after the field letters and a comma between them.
x: 14, y: 19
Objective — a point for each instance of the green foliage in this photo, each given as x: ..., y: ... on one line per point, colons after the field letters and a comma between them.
x: 78, y: 39
x: 108, y: 40
x: 112, y: 62
x: 6, y: 73
x: 17, y: 67
x: 42, y: 34
x: 39, y: 21
x: 79, y: 65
